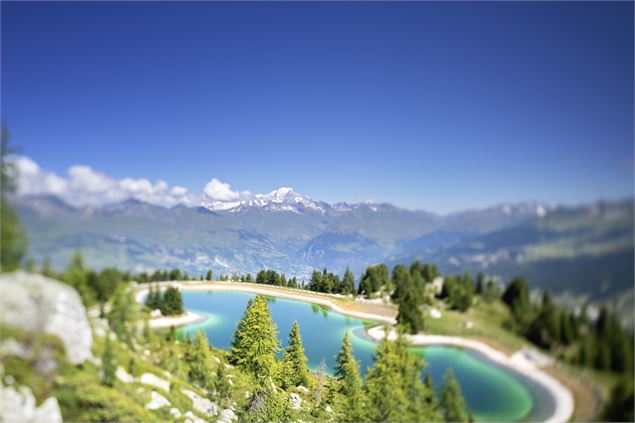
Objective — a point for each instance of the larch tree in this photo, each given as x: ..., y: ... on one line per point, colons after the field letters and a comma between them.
x: 294, y: 362
x: 347, y: 372
x: 109, y: 364
x: 12, y: 235
x: 200, y: 371
x: 452, y: 402
x: 255, y: 342
x: 348, y: 283
x: 393, y: 386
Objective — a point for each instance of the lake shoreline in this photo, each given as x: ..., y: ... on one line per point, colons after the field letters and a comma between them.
x: 561, y: 395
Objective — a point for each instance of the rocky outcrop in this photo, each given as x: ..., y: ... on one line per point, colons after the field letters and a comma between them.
x: 200, y: 404
x: 18, y: 405
x: 157, y: 401
x: 35, y: 303
x: 154, y: 380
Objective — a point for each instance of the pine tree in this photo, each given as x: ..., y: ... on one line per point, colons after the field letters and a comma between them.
x: 108, y: 363
x: 46, y: 268
x: 75, y: 276
x: 199, y: 359
x: 451, y: 401
x: 255, y: 344
x: 296, y: 371
x: 221, y: 383
x: 410, y: 316
x: 480, y: 282
x: 393, y: 385
x: 122, y: 314
x: 172, y: 303
x: 12, y: 236
x: 621, y: 404
x: 348, y: 283
x: 347, y: 372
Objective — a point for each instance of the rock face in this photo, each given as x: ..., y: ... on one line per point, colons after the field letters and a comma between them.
x: 33, y: 303
x: 18, y: 405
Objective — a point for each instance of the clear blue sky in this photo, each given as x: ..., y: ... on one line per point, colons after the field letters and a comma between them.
x: 441, y: 106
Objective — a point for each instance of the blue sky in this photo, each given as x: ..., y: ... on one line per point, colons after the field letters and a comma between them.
x: 440, y: 106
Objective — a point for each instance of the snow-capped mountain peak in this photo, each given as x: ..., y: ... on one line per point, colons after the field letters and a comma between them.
x: 281, y: 199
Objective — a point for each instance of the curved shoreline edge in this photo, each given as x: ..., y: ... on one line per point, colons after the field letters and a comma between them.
x: 562, y: 396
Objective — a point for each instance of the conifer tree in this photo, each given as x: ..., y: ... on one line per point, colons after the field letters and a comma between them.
x: 200, y: 371
x: 347, y: 372
x: 122, y: 314
x: 393, y: 385
x: 12, y: 236
x: 255, y: 344
x: 75, y: 276
x: 172, y: 303
x: 108, y: 363
x: 348, y: 283
x: 451, y: 399
x: 221, y: 383
x: 410, y: 316
x: 294, y: 363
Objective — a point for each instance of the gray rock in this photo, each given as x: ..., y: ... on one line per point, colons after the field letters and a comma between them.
x: 34, y: 303
x: 200, y: 404
x: 154, y: 380
x: 18, y: 405
x: 157, y: 401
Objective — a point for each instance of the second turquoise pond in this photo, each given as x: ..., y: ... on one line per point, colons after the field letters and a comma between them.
x: 492, y: 392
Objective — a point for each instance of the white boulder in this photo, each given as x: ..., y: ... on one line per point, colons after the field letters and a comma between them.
x: 34, y: 303
x: 192, y: 418
x: 226, y: 416
x: 157, y: 401
x: 154, y: 380
x: 18, y: 405
x: 200, y: 404
x: 123, y: 375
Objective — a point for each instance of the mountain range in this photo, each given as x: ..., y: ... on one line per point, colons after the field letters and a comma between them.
x: 585, y: 249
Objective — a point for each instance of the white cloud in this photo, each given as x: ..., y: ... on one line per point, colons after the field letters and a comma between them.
x: 33, y: 180
x: 216, y: 190
x: 178, y: 191
x: 86, y: 187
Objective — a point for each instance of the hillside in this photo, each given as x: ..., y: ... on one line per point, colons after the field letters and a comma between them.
x: 584, y: 249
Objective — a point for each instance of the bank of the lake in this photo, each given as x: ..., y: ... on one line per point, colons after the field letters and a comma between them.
x: 535, y: 397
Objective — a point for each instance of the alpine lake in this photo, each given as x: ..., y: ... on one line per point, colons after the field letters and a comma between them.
x: 492, y: 392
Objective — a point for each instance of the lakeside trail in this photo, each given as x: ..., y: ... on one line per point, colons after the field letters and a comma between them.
x: 385, y: 315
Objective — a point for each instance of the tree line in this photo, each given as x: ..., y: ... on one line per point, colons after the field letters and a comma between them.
x: 604, y: 344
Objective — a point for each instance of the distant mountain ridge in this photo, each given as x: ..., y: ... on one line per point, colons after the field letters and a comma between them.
x: 294, y: 234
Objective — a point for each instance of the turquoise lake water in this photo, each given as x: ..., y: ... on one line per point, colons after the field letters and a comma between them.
x: 492, y: 392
